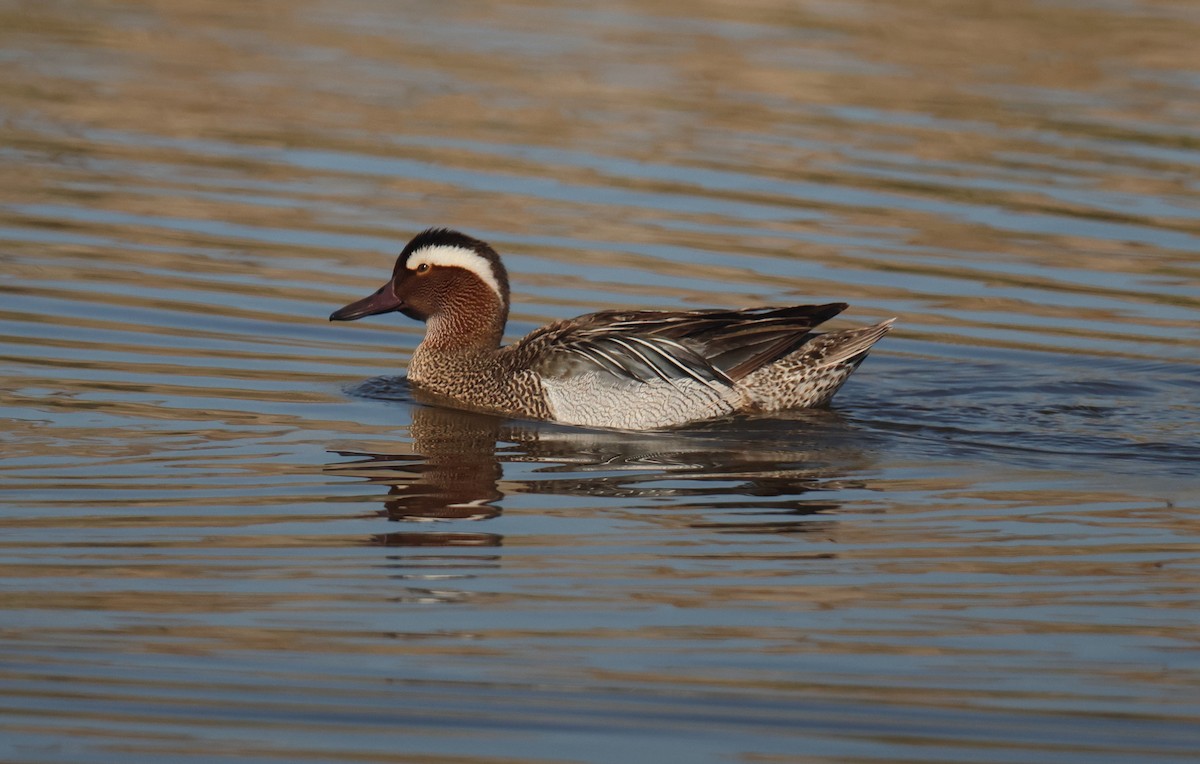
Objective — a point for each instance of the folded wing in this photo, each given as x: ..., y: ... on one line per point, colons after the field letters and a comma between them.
x: 712, y: 347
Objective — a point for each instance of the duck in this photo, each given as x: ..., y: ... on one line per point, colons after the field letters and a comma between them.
x: 615, y: 369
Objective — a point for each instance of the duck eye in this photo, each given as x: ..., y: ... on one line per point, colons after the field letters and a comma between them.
x: 423, y: 267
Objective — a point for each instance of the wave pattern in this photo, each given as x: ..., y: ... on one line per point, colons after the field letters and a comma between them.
x: 232, y: 533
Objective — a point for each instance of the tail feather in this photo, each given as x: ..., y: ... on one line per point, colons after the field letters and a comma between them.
x: 814, y: 373
x: 843, y: 346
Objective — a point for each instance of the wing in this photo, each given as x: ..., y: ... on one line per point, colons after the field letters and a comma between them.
x: 638, y: 357
x: 712, y: 347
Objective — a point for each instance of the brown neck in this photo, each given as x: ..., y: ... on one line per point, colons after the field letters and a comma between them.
x: 466, y: 327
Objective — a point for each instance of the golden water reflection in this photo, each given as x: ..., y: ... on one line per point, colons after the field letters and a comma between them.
x: 213, y: 547
x: 452, y: 470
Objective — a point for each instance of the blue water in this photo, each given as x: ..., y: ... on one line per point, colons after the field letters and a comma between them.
x: 229, y: 531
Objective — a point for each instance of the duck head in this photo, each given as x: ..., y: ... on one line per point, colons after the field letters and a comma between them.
x: 441, y: 274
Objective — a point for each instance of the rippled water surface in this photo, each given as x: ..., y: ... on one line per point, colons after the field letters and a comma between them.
x: 229, y: 531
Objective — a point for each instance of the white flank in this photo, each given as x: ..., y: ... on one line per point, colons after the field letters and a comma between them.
x: 457, y: 257
x: 598, y: 399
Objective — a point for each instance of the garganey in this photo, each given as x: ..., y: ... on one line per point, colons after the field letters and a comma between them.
x: 629, y: 370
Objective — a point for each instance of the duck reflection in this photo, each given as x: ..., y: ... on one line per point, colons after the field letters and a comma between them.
x: 756, y: 476
x: 452, y: 473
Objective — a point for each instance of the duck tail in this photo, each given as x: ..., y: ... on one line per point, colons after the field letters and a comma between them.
x: 814, y: 373
x: 848, y: 346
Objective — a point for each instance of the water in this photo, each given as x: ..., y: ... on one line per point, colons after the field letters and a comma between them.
x: 229, y: 534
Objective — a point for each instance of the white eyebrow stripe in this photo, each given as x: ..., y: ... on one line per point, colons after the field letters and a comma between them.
x: 457, y: 257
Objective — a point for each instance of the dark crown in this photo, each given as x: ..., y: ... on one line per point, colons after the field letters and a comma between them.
x: 445, y: 237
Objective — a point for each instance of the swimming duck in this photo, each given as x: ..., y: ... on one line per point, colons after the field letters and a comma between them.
x: 629, y: 370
